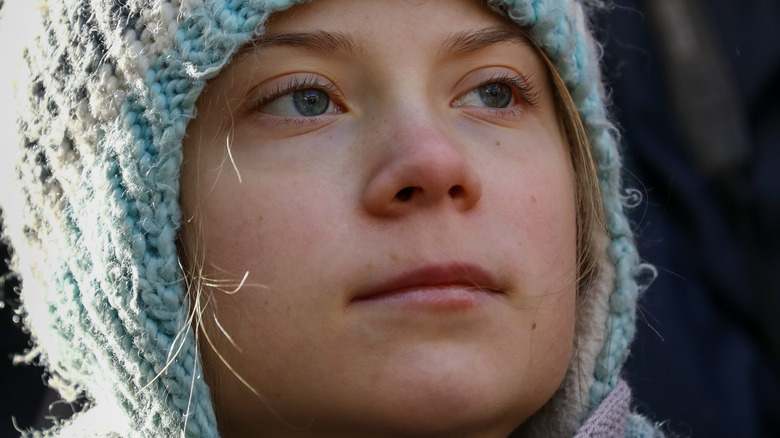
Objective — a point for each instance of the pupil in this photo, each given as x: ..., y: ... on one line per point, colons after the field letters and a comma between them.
x: 495, y: 95
x: 311, y: 102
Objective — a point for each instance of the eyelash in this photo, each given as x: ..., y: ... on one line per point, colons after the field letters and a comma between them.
x: 526, y: 89
x: 295, y: 84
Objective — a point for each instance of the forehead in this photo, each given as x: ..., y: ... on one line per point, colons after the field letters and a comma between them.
x: 374, y: 13
x: 388, y: 21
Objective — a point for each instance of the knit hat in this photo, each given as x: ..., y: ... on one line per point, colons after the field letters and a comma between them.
x: 102, y: 93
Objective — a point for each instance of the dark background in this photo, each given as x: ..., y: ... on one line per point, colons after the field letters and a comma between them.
x: 706, y: 354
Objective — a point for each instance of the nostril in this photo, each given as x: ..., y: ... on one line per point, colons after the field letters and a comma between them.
x: 455, y: 191
x: 405, y: 194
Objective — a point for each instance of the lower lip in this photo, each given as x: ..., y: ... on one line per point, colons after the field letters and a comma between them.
x: 454, y: 297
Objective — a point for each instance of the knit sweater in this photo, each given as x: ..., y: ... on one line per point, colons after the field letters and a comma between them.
x: 613, y: 418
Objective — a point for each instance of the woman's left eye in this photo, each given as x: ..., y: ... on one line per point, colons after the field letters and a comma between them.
x: 492, y: 95
x: 303, y: 102
x: 501, y: 93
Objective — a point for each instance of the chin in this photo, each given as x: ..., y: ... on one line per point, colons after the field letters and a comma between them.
x: 458, y: 396
x: 447, y: 418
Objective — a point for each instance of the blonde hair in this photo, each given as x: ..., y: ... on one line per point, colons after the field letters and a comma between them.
x: 591, y: 224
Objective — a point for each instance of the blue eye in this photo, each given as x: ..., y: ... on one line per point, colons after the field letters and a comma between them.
x: 299, y: 102
x: 495, y: 95
x: 310, y: 102
x: 500, y: 93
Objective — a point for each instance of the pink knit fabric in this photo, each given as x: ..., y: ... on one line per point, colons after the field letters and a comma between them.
x: 609, y: 420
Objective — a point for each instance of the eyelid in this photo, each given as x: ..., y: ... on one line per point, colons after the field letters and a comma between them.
x: 527, y: 90
x: 287, y: 84
x: 522, y: 85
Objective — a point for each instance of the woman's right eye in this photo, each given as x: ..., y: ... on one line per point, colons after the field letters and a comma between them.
x: 302, y: 102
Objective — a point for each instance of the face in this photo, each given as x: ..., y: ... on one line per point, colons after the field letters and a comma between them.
x: 384, y: 218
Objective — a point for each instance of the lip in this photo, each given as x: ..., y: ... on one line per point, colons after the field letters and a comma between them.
x: 438, y: 286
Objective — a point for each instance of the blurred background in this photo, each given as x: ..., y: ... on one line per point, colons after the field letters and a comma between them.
x: 696, y: 91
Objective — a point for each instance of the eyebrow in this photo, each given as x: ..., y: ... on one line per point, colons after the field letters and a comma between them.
x: 316, y: 41
x: 327, y: 42
x: 478, y: 39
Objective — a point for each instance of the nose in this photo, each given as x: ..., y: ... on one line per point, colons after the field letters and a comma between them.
x: 419, y: 166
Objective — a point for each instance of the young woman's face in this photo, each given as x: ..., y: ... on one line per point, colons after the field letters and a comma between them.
x: 392, y: 179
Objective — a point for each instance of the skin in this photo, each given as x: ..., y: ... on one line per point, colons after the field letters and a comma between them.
x: 405, y: 170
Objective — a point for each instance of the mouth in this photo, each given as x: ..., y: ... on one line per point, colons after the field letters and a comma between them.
x: 450, y: 286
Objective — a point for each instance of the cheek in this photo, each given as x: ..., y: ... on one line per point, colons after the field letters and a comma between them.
x: 245, y: 242
x: 548, y: 221
x: 531, y: 193
x: 535, y: 190
x: 259, y: 225
x: 270, y: 228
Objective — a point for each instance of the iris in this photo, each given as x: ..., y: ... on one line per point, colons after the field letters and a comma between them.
x: 310, y: 102
x: 495, y: 95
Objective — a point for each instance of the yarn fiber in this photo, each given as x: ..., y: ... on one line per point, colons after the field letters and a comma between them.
x: 105, y: 90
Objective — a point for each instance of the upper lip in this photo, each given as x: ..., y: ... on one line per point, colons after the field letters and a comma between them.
x: 434, y: 275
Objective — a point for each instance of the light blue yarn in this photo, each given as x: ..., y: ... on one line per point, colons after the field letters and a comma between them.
x: 121, y: 306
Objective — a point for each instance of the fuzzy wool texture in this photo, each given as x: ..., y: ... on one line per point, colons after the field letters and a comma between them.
x: 609, y: 420
x: 103, y: 92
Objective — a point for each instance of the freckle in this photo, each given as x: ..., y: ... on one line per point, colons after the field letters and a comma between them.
x: 259, y: 217
x: 498, y: 143
x: 533, y: 327
x: 393, y: 257
x: 533, y: 198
